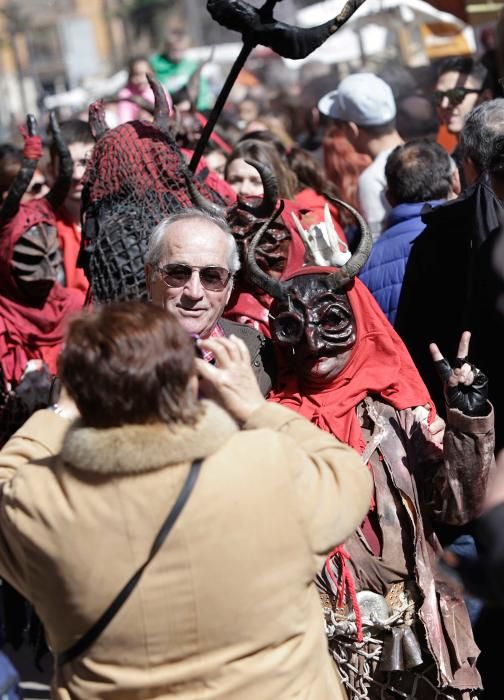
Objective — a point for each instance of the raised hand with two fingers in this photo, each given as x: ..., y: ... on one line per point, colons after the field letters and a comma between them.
x: 465, y: 386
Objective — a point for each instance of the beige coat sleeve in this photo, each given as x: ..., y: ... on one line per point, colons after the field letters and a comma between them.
x: 333, y: 485
x: 39, y: 438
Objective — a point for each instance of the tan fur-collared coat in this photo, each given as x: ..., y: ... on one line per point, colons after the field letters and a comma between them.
x: 228, y: 608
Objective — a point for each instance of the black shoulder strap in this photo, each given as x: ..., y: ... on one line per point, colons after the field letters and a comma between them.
x: 99, y: 626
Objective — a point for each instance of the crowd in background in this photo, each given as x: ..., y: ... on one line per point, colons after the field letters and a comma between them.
x: 419, y: 153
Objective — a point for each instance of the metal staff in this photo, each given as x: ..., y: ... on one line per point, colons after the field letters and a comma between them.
x: 258, y: 26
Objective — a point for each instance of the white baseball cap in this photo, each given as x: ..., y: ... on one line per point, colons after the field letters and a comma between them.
x: 362, y: 98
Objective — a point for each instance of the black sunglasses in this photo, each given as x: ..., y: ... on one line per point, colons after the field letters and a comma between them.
x: 455, y: 95
x: 211, y: 277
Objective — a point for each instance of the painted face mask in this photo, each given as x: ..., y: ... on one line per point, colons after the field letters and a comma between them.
x: 273, y: 249
x: 31, y: 261
x: 311, y: 314
x: 315, y: 315
x: 36, y: 257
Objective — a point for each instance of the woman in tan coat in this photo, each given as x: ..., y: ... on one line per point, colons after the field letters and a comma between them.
x: 227, y: 608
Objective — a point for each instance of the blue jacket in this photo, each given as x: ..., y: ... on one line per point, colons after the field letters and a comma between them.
x: 384, y: 271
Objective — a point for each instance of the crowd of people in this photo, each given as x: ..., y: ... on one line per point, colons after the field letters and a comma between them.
x: 249, y: 410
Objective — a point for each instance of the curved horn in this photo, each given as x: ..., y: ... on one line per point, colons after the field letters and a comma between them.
x: 57, y: 195
x: 19, y: 185
x: 270, y: 187
x: 200, y: 201
x: 352, y: 268
x: 163, y: 107
x: 257, y: 276
x: 97, y: 120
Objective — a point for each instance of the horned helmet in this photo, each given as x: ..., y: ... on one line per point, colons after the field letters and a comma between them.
x: 31, y: 257
x: 311, y: 315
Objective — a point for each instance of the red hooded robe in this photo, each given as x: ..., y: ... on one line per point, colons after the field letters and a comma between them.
x: 27, y: 331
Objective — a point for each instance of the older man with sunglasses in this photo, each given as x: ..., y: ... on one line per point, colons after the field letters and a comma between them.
x: 190, y: 265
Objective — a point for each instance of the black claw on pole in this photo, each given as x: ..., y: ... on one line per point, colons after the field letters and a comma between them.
x: 260, y: 27
x: 248, y: 46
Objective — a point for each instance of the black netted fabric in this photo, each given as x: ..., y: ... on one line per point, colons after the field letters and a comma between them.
x: 134, y: 180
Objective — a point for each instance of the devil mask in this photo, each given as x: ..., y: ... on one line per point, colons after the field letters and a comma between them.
x: 36, y: 260
x: 311, y: 314
x: 28, y: 238
x: 315, y: 322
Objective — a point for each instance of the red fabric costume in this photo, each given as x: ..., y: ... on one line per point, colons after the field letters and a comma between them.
x: 69, y: 237
x: 30, y: 332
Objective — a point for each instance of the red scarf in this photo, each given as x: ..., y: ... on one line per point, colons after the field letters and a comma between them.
x: 28, y: 331
x: 379, y: 365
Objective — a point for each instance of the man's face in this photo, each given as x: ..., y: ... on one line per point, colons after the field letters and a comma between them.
x: 318, y: 324
x: 81, y: 153
x: 452, y: 112
x: 196, y: 243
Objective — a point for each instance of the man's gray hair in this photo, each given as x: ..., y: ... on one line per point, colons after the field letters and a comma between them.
x: 158, y: 236
x: 482, y: 125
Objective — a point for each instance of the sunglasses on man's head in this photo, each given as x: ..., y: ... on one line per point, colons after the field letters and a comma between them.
x: 455, y: 95
x: 211, y: 277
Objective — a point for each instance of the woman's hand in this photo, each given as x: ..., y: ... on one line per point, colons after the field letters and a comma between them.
x: 465, y: 387
x: 231, y: 381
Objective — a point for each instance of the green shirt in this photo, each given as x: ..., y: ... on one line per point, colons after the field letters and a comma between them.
x: 174, y: 76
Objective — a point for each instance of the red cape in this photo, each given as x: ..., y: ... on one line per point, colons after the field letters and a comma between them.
x: 27, y: 331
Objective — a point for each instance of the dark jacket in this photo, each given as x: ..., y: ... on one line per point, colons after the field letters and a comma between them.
x: 437, y: 297
x: 384, y: 271
x: 260, y: 349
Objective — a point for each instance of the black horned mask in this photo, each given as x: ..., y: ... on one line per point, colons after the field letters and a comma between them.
x: 311, y: 306
x: 31, y: 258
x: 247, y: 216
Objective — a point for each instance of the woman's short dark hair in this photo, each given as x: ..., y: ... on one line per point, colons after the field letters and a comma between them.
x: 129, y: 362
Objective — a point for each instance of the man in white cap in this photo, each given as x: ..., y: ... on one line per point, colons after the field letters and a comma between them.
x: 364, y: 108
